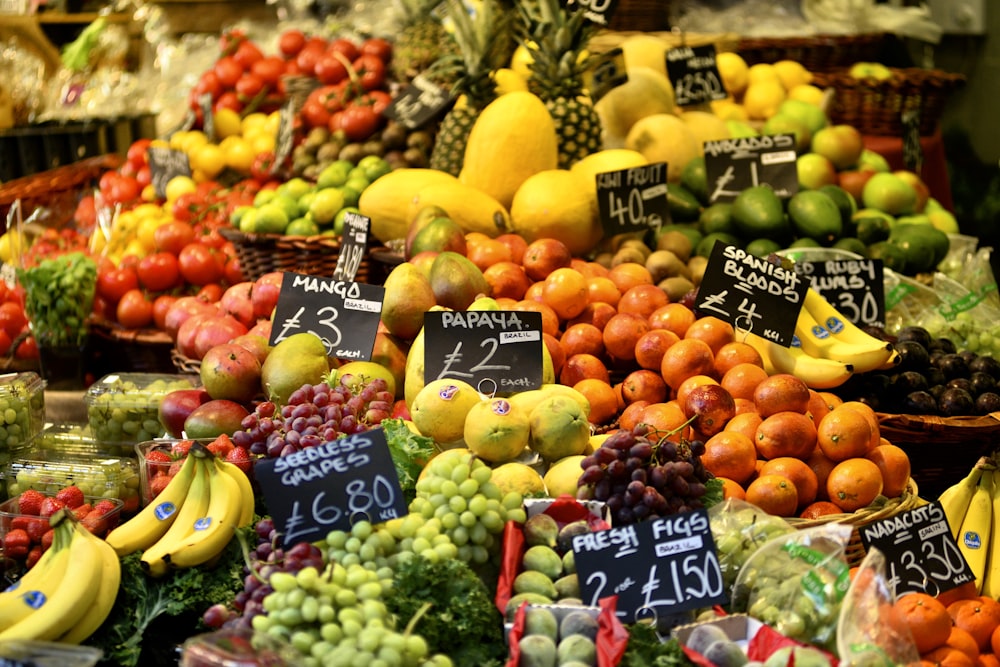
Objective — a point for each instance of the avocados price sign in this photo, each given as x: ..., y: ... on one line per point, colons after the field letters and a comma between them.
x: 733, y: 165
x: 856, y: 287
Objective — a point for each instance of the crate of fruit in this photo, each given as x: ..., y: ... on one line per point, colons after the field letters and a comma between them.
x: 312, y: 255
x: 94, y: 474
x: 22, y: 408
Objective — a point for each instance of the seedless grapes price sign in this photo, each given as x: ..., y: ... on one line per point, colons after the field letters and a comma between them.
x: 920, y: 553
x: 492, y: 350
x: 657, y: 568
x: 733, y: 165
x: 344, y: 315
x: 752, y: 293
x: 633, y: 200
x: 331, y: 487
x: 855, y: 286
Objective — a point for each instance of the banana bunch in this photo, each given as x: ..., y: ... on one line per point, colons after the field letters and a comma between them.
x: 68, y: 593
x: 972, y: 509
x: 192, y: 519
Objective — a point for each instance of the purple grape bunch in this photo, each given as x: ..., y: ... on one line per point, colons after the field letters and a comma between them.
x: 641, y: 477
x: 314, y: 414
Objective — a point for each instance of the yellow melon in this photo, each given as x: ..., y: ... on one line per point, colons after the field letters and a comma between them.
x: 557, y: 203
x: 705, y: 126
x: 386, y: 201
x: 646, y: 92
x: 473, y: 210
x: 664, y: 138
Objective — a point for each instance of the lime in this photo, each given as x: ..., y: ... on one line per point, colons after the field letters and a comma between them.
x: 762, y: 247
x: 302, y: 227
x: 374, y: 166
x: 338, y: 220
x: 325, y: 204
x: 290, y: 205
x: 271, y: 219
x: 333, y: 175
x: 351, y: 196
x: 305, y: 201
x: 264, y: 196
x: 248, y: 220
x: 357, y: 183
x: 294, y: 187
x: 805, y: 242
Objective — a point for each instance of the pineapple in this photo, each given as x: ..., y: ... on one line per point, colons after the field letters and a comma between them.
x: 557, y: 45
x: 421, y: 41
x: 482, y: 45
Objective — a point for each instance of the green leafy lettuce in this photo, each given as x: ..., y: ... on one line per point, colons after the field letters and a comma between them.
x: 646, y: 650
x: 410, y: 452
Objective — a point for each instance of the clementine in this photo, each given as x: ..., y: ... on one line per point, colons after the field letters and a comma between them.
x: 785, y: 434
x: 674, y: 317
x: 927, y: 619
x: 895, y: 466
x: 853, y: 484
x: 713, y: 330
x: 730, y: 454
x: 818, y: 509
x: 686, y: 357
x: 843, y: 434
x: 774, y: 494
x: 979, y: 617
x: 731, y: 489
x: 799, y: 472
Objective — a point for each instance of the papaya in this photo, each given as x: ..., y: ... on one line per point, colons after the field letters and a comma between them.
x: 471, y: 209
x: 387, y: 200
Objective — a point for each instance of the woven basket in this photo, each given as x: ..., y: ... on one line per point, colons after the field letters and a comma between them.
x: 644, y: 15
x: 942, y: 450
x: 882, y: 508
x: 817, y: 53
x: 311, y: 255
x: 877, y: 107
x: 116, y: 349
x: 606, y: 40
x: 184, y: 365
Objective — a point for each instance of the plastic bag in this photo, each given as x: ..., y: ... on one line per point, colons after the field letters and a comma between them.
x: 867, y: 633
x: 740, y: 528
x: 796, y: 583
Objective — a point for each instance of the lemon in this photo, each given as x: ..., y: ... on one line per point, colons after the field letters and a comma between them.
x: 762, y: 99
x: 559, y: 204
x: 762, y: 72
x: 806, y: 92
x: 239, y: 153
x: 705, y: 126
x: 262, y: 142
x: 209, y: 159
x: 506, y: 80
x: 253, y: 122
x: 729, y: 109
x: 792, y: 73
x: 11, y: 245
x: 519, y: 478
x: 440, y: 408
x: 179, y: 185
x: 734, y: 72
x: 520, y: 61
x: 563, y: 476
x: 227, y: 123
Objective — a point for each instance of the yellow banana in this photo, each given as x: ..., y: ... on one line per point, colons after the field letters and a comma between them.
x: 991, y: 582
x: 974, y: 535
x: 194, y: 508
x: 817, y: 341
x: 956, y: 498
x: 107, y: 593
x: 216, y: 528
x: 842, y: 328
x: 73, y: 598
x: 145, y: 528
x: 246, y: 491
x: 817, y: 372
x: 38, y: 584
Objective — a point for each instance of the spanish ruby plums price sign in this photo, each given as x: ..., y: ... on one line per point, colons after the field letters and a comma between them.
x: 353, y: 244
x: 855, y: 286
x: 495, y: 351
x: 920, y: 553
x: 598, y: 11
x: 344, y: 315
x: 418, y: 103
x: 657, y: 568
x: 733, y: 165
x: 165, y: 164
x: 755, y: 294
x: 633, y: 200
x: 331, y: 486
x: 695, y: 75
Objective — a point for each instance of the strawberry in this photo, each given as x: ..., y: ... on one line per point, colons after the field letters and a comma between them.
x: 174, y: 468
x: 105, y: 507
x: 50, y: 506
x: 157, y: 484
x: 16, y: 543
x: 30, y: 502
x: 131, y: 505
x: 20, y: 522
x: 157, y: 460
x: 221, y: 446
x: 180, y: 449
x: 240, y: 457
x: 36, y: 528
x: 47, y: 538
x: 82, y: 511
x: 33, y: 556
x: 71, y: 496
x: 96, y: 523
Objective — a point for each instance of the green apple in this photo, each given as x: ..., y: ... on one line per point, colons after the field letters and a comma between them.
x: 841, y: 144
x: 890, y: 193
x: 873, y: 161
x: 809, y: 115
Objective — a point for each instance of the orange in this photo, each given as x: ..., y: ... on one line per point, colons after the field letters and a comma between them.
x: 853, y: 484
x: 745, y: 423
x: 631, y: 415
x: 979, y: 617
x: 686, y: 357
x: 832, y: 399
x: 555, y: 351
x: 629, y: 274
x: 734, y: 353
x: 781, y: 392
x: 744, y: 405
x: 674, y: 317
x: 486, y: 252
x: 601, y: 289
x: 799, y: 472
x: 581, y: 366
x: 988, y: 660
x: 927, y: 619
x: 534, y: 292
x: 946, y: 656
x: 565, y: 290
x: 843, y: 434
x: 785, y: 434
x: 961, y: 640
x: 711, y: 406
x: 651, y: 346
x: 597, y: 313
x: 872, y: 418
x: 713, y: 330
x: 621, y: 334
x: 966, y: 591
x: 587, y: 268
x: 690, y: 383
x: 543, y: 256
x: 516, y: 244
x: 507, y: 280
x: 822, y: 466
x: 742, y: 379
x: 642, y: 300
x: 895, y: 466
x: 582, y: 338
x: 550, y: 321
x: 775, y: 494
x: 731, y: 489
x: 603, y: 400
x: 819, y: 508
x: 665, y: 418
x: 644, y: 385
x: 730, y: 454
x: 994, y: 640
x: 818, y: 406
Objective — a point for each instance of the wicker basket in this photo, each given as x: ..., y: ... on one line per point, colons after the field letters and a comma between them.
x: 606, y: 40
x: 116, y: 349
x: 645, y: 15
x: 311, y: 255
x: 877, y: 107
x: 184, y: 365
x: 942, y: 450
x: 817, y: 53
x: 882, y: 508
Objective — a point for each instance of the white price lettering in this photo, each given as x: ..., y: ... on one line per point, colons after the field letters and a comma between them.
x: 633, y: 214
x: 489, y: 345
x: 864, y: 313
x: 331, y: 337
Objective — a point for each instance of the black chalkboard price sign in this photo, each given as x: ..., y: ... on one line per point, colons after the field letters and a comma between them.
x: 598, y: 11
x: 920, y: 553
x: 633, y: 199
x: 752, y: 293
x: 855, y: 286
x: 656, y: 568
x: 344, y: 315
x: 418, y: 103
x: 286, y: 135
x: 695, y: 75
x: 607, y: 72
x: 353, y: 244
x: 165, y: 164
x: 495, y: 351
x: 331, y: 487
x: 733, y: 165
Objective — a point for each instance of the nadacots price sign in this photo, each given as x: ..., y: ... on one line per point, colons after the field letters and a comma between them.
x: 344, y: 315
x: 165, y: 164
x: 492, y: 350
x: 733, y: 165
x: 921, y: 556
x: 634, y: 199
x: 695, y: 75
x: 855, y: 286
x: 331, y: 487
x: 656, y: 568
x: 755, y: 294
x: 353, y: 244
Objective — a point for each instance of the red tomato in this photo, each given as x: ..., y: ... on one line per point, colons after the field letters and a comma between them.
x: 211, y: 293
x: 173, y: 236
x: 345, y: 46
x: 314, y: 114
x: 12, y: 318
x: 5, y: 342
x: 247, y: 53
x: 228, y: 71
x: 128, y: 262
x: 104, y: 309
x: 137, y: 152
x: 134, y: 310
x: 198, y: 264
x: 376, y: 46
x: 113, y: 284
x: 228, y: 100
x: 290, y: 42
x: 159, y: 271
x: 269, y: 69
x: 28, y: 349
x: 144, y: 176
x: 308, y: 57
x: 249, y: 86
x: 371, y: 69
x: 208, y: 84
x: 379, y: 100
x: 357, y: 122
x: 233, y: 272
x: 161, y: 305
x: 330, y: 69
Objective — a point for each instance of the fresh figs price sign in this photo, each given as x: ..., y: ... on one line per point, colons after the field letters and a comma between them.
x: 921, y: 556
x: 695, y: 75
x: 657, y: 568
x: 331, y: 487
x: 344, y: 315
x: 633, y: 200
x: 752, y: 293
x: 598, y: 11
x: 855, y: 286
x: 165, y: 164
x: 492, y: 350
x: 733, y: 165
x: 353, y: 243
x: 418, y: 103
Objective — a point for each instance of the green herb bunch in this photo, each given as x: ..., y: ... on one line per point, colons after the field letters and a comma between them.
x: 58, y: 298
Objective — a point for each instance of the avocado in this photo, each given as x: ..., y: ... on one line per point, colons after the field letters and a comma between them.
x: 815, y: 215
x: 684, y: 206
x: 759, y: 213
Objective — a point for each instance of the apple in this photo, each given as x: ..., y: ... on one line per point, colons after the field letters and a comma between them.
x: 853, y: 181
x: 869, y: 70
x: 923, y: 192
x: 841, y: 144
x: 264, y: 295
x: 809, y: 115
x: 889, y: 193
x: 181, y: 310
x: 175, y: 407
x: 873, y: 160
x: 815, y: 171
